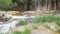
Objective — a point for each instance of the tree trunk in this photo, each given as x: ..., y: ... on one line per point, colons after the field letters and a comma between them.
x: 28, y: 5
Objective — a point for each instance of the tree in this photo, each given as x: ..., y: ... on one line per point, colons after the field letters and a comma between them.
x: 28, y: 4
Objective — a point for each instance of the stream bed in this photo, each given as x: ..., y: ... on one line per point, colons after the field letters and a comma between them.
x: 12, y: 23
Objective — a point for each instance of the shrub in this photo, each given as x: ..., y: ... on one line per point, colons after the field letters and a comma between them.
x: 23, y: 22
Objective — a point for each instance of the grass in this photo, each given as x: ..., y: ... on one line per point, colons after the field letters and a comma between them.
x: 23, y: 22
x: 25, y: 31
x: 16, y: 32
x: 48, y: 18
x: 58, y: 30
x: 35, y: 26
x: 46, y: 25
x: 38, y: 19
x: 58, y: 23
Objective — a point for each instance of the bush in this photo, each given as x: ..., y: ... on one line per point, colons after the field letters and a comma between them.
x: 23, y: 22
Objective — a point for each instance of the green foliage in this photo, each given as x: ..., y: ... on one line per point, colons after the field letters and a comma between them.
x: 23, y: 22
x: 35, y: 26
x: 23, y: 0
x: 46, y: 25
x: 37, y: 19
x: 48, y: 18
x: 7, y: 4
x: 27, y: 30
x: 16, y: 32
x: 32, y: 2
x: 58, y: 23
x: 58, y: 30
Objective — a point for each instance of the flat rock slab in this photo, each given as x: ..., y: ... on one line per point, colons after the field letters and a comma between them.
x: 43, y: 31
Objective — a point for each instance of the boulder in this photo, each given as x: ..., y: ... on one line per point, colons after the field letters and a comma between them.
x: 3, y: 19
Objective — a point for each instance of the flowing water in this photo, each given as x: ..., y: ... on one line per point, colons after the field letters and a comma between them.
x: 5, y: 27
x: 12, y: 23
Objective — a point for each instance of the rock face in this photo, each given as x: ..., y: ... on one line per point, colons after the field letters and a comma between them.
x: 43, y: 31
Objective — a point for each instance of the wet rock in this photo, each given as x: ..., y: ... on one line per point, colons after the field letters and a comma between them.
x: 3, y: 19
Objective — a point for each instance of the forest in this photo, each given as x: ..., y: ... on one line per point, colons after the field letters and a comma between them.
x: 29, y: 4
x: 14, y: 4
x: 29, y: 16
